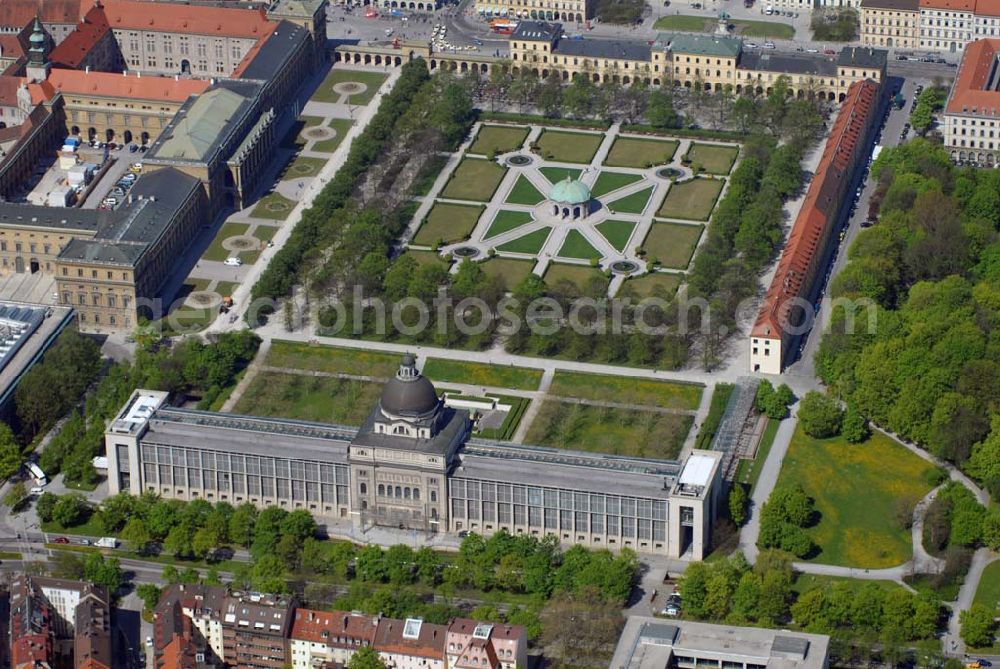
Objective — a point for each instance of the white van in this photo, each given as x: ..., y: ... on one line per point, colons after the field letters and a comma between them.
x: 233, y: 261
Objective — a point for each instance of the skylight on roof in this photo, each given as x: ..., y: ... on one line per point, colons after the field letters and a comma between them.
x: 411, y: 628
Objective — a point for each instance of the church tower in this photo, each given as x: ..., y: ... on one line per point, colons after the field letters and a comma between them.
x: 38, y: 54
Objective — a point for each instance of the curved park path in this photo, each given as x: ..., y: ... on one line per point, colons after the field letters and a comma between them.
x: 921, y: 562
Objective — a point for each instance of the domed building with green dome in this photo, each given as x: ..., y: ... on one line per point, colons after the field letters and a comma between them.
x: 570, y: 199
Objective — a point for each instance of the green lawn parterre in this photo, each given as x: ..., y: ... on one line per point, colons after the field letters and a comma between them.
x: 502, y: 138
x: 692, y: 200
x: 474, y: 179
x: 480, y: 374
x: 576, y: 274
x: 657, y: 284
x: 325, y: 399
x: 672, y: 244
x: 608, y: 182
x: 530, y: 243
x: 215, y: 251
x: 524, y: 192
x: 641, y: 152
x: 627, y: 390
x: 506, y: 220
x: 616, y: 232
x: 424, y: 257
x: 273, y: 206
x: 856, y: 488
x: 576, y: 246
x: 715, y: 158
x: 569, y: 147
x: 371, y: 80
x: 629, y: 432
x: 331, y: 359
x: 511, y: 271
x: 557, y: 174
x: 631, y: 204
x: 448, y: 223
x: 338, y: 125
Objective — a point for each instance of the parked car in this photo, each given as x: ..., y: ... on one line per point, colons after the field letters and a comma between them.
x: 233, y: 261
x: 84, y: 542
x: 768, y: 45
x: 60, y: 540
x: 36, y: 491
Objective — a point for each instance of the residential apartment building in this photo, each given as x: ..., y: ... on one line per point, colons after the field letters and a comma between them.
x: 971, y: 123
x: 471, y: 643
x: 890, y: 23
x: 937, y: 25
x: 787, y: 309
x: 271, y: 626
x: 657, y: 644
x: 56, y: 623
x: 413, y: 464
x: 241, y: 631
x: 319, y: 638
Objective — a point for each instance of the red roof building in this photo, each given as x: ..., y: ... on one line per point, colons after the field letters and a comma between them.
x: 471, y: 644
x: 186, y: 19
x: 787, y: 309
x: 972, y: 113
x: 320, y: 637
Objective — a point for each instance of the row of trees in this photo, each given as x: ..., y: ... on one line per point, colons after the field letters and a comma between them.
x: 734, y: 592
x: 931, y: 265
x: 189, y: 367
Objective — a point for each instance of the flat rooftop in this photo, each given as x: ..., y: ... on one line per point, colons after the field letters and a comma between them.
x: 27, y: 331
x: 649, y: 643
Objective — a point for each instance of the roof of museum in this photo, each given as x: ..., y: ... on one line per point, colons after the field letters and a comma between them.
x: 603, y: 48
x: 792, y: 63
x: 204, y: 125
x: 113, y: 85
x: 191, y: 19
x: 269, y: 54
x: 975, y: 88
x: 537, y: 31
x: 88, y: 32
x: 703, y: 45
x: 17, y: 13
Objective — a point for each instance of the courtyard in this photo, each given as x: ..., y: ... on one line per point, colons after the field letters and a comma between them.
x: 592, y: 208
x: 582, y: 411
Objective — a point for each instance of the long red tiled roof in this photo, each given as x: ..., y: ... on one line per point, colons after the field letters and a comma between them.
x: 18, y: 13
x: 11, y: 46
x: 8, y: 90
x: 328, y: 626
x: 969, y: 94
x: 806, y: 242
x: 108, y: 84
x: 428, y: 644
x: 72, y: 50
x: 194, y: 19
x: 949, y: 5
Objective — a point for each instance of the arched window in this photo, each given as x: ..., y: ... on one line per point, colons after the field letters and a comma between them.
x: 363, y: 487
x: 399, y: 492
x: 416, y: 494
x: 381, y: 489
x: 406, y: 493
x: 434, y: 495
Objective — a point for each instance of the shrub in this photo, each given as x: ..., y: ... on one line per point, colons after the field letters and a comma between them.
x: 820, y: 416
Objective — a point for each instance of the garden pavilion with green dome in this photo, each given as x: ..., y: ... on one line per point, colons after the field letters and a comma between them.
x: 570, y: 199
